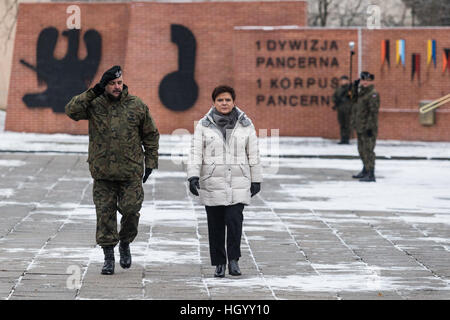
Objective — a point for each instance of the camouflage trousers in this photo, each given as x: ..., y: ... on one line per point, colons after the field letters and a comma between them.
x: 110, y: 197
x: 366, y: 146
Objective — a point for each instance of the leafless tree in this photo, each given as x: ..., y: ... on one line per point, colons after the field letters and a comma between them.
x: 429, y: 12
x: 389, y: 20
x: 345, y: 13
x: 350, y: 13
x: 320, y: 17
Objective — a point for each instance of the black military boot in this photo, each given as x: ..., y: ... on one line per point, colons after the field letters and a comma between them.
x: 108, y: 266
x: 220, y: 271
x: 125, y: 255
x: 344, y: 141
x: 360, y: 174
x: 233, y: 268
x: 370, y: 177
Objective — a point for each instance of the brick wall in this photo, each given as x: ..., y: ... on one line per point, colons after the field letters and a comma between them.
x: 399, y: 93
x: 271, y: 97
x: 295, y: 96
x: 284, y: 77
x: 138, y: 37
x: 111, y: 21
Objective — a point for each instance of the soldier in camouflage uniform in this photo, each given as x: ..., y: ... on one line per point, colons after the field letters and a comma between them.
x: 122, y: 138
x: 366, y: 103
x: 342, y: 104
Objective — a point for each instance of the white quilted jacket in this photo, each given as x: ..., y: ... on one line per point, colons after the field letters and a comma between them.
x: 226, y: 169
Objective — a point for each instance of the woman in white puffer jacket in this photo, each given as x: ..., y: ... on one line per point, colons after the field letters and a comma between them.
x: 225, y: 170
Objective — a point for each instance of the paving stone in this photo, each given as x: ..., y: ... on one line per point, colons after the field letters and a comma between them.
x: 47, y: 228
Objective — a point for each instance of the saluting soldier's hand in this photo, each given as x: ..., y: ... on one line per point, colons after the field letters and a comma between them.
x: 194, y: 185
x: 111, y: 74
x: 98, y: 89
x: 147, y: 173
x: 255, y: 187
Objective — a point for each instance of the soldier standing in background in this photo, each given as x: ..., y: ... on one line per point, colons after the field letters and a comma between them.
x: 119, y: 126
x: 366, y: 103
x: 342, y: 104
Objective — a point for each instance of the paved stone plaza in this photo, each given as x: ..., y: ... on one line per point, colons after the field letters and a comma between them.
x: 297, y: 243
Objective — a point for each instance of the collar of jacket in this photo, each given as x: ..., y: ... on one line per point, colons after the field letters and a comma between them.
x: 242, y: 118
x: 367, y: 89
x: 123, y: 95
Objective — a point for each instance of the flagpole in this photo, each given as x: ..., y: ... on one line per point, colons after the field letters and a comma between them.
x: 351, y: 44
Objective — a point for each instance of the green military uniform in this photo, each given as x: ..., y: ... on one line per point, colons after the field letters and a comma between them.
x: 342, y: 102
x: 365, y: 122
x: 118, y: 129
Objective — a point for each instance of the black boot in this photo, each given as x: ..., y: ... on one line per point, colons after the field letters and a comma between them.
x: 125, y: 255
x: 108, y: 266
x: 370, y: 177
x: 233, y: 268
x: 360, y: 174
x: 344, y: 141
x: 220, y: 271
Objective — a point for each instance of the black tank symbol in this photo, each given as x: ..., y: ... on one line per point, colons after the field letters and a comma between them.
x: 68, y: 76
x: 178, y: 90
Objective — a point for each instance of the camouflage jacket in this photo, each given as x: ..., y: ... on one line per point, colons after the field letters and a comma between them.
x: 117, y: 132
x: 341, y: 98
x: 365, y: 110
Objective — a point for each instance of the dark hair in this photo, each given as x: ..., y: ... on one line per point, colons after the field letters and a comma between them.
x: 344, y: 78
x: 222, y: 89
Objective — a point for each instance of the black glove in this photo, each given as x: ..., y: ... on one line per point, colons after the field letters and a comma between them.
x: 353, y: 90
x: 194, y: 185
x: 98, y: 89
x: 369, y: 133
x: 255, y: 188
x: 147, y: 173
x: 354, y: 85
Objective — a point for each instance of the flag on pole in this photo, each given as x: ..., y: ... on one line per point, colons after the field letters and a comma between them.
x: 431, y: 52
x: 445, y: 57
x: 415, y: 65
x: 400, y: 52
x: 385, y: 52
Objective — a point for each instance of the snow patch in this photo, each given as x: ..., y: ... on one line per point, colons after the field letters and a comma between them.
x: 419, y: 186
x: 12, y: 163
x: 6, y: 192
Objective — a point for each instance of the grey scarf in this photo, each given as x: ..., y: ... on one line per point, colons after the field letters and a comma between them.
x: 225, y: 121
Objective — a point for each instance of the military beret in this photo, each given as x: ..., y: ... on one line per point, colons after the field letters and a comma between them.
x: 365, y: 75
x: 111, y: 74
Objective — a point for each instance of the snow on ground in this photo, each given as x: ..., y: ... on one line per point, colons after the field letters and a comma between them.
x: 418, y: 186
x: 2, y: 120
x: 179, y: 144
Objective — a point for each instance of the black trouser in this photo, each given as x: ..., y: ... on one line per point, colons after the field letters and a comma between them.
x: 220, y: 217
x: 344, y: 124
